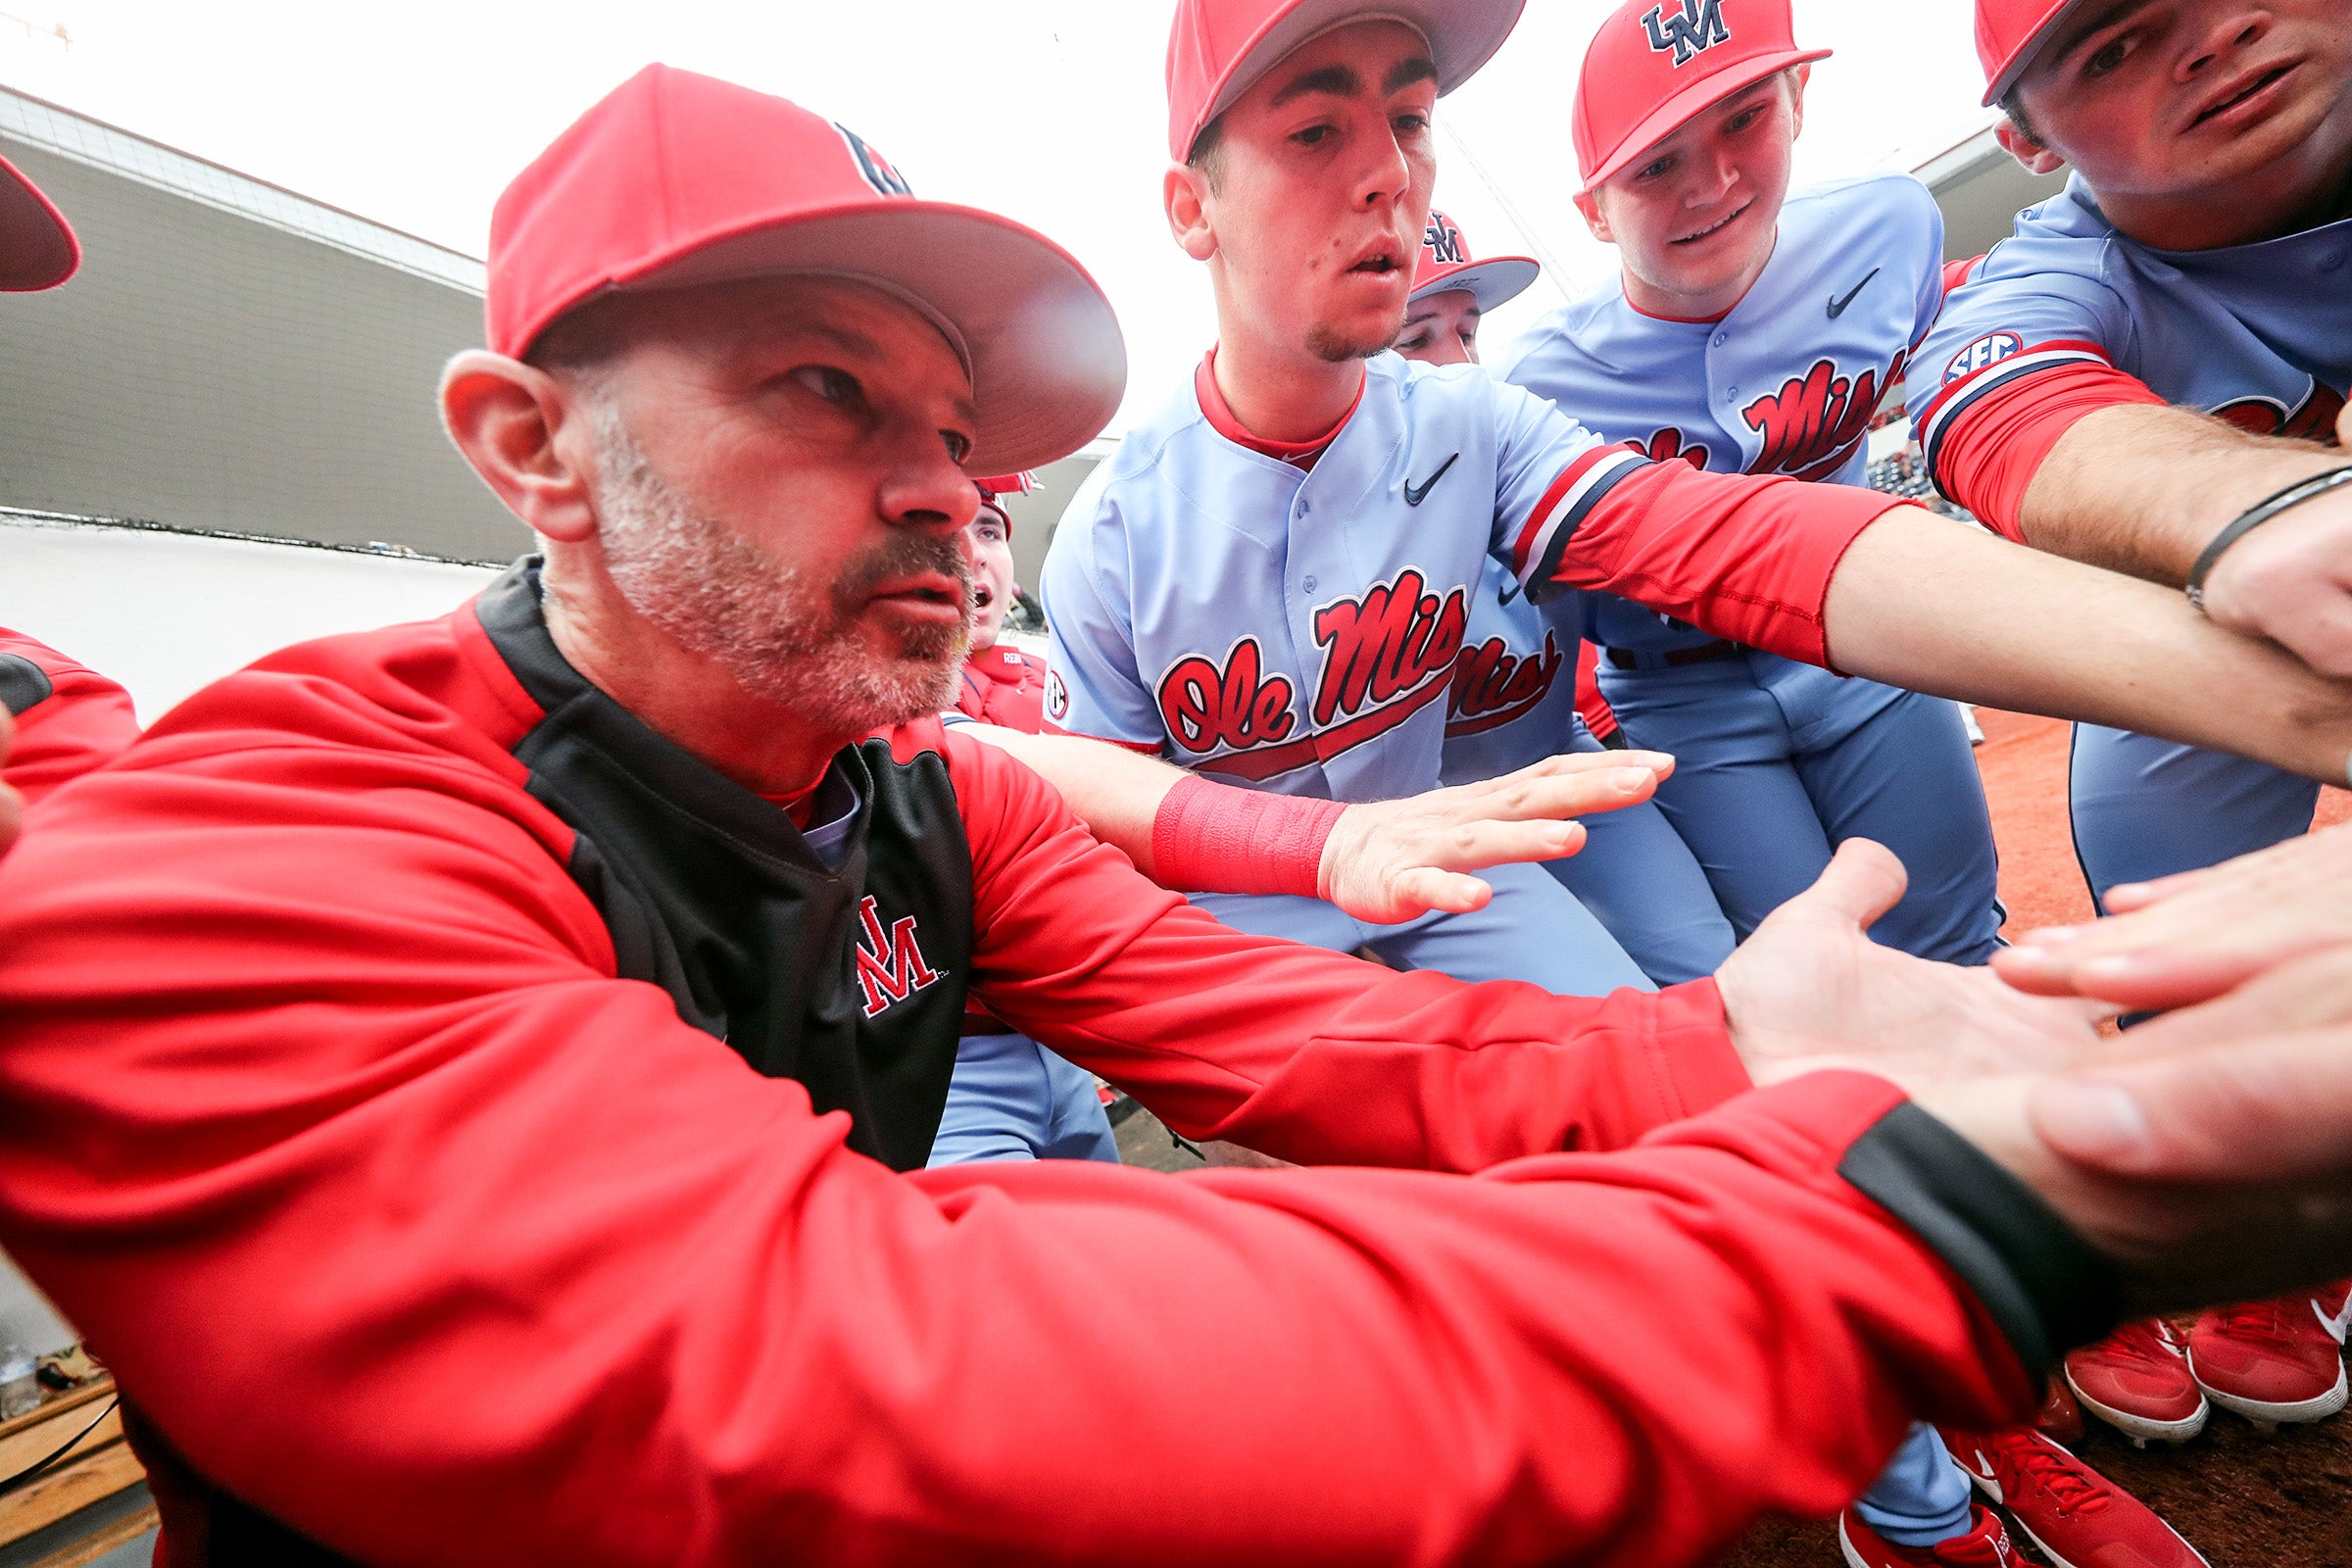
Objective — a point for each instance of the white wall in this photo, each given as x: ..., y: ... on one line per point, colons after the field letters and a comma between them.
x: 166, y: 614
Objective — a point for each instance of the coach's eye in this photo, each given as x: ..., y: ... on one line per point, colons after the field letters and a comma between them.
x: 959, y: 445
x: 834, y: 385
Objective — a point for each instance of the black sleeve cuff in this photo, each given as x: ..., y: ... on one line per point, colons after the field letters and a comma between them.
x: 23, y: 684
x: 2045, y: 1286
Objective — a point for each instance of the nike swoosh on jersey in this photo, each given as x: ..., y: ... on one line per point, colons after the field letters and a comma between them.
x: 1838, y: 306
x: 1413, y: 493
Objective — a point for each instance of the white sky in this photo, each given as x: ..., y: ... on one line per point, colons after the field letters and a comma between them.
x: 1050, y: 111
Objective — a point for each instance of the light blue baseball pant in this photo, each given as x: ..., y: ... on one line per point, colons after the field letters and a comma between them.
x: 1641, y: 881
x: 1533, y: 929
x: 1013, y: 1099
x: 1922, y: 1496
x: 2145, y: 808
x: 1778, y: 762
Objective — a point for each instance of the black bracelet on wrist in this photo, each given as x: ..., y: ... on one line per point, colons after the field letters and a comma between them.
x: 2254, y: 516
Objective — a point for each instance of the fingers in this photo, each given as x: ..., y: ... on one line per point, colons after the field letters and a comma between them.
x: 1863, y: 881
x: 1553, y: 794
x: 1426, y: 888
x: 2312, y: 993
x: 2151, y: 980
x: 2264, y: 1109
x: 1475, y: 846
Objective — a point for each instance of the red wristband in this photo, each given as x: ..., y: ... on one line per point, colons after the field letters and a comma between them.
x: 1213, y: 838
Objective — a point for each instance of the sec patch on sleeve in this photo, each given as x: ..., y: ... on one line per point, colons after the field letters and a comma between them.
x: 1989, y: 350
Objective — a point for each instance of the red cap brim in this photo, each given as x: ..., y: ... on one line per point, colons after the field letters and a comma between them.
x: 1047, y: 362
x: 2022, y: 56
x: 1689, y: 104
x: 1489, y: 280
x: 1462, y: 34
x: 37, y: 247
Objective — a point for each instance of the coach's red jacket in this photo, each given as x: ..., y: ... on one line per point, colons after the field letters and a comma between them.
x: 465, y: 1123
x: 69, y: 717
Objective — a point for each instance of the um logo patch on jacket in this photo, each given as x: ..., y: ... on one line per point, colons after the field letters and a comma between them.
x: 890, y: 966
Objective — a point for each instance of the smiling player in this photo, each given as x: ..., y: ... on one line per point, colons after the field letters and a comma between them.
x: 1754, y: 332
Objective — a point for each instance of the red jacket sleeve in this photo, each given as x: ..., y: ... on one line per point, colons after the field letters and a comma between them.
x: 84, y: 722
x: 1748, y: 558
x: 1080, y: 953
x: 407, y: 1222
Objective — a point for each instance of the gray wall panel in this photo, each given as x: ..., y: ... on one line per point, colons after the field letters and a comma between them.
x: 209, y: 372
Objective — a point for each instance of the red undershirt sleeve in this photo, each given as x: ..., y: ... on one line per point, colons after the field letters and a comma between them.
x: 1987, y: 458
x: 1745, y: 557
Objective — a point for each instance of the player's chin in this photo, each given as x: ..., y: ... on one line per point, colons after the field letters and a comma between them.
x: 1355, y: 337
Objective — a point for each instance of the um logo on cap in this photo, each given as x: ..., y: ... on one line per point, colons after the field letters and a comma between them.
x: 1700, y: 26
x: 879, y: 172
x: 1443, y: 241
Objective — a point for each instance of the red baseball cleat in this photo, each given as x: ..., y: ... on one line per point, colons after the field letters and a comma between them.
x: 2074, y: 1515
x: 2137, y: 1381
x: 2271, y: 1361
x: 1984, y: 1545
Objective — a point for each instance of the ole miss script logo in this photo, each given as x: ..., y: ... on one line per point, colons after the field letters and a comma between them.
x: 890, y: 966
x: 1812, y: 424
x: 1386, y: 656
x: 1492, y: 686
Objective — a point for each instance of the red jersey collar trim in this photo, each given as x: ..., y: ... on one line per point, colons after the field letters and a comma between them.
x: 1219, y: 414
x: 1678, y: 320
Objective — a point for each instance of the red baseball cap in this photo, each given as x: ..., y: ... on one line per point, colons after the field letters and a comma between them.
x: 1656, y: 63
x: 1005, y: 485
x: 677, y: 178
x: 37, y: 247
x: 2009, y: 33
x: 1445, y: 264
x: 1217, y: 49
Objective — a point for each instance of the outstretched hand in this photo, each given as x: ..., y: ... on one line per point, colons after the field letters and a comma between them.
x: 1389, y: 862
x: 2192, y: 937
x: 1810, y: 990
x: 2209, y: 1152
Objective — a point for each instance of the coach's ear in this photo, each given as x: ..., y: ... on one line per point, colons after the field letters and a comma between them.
x: 522, y: 433
x: 2026, y: 150
x: 1184, y: 192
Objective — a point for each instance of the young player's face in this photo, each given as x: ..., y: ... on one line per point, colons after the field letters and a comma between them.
x: 1322, y: 192
x: 778, y: 489
x: 2177, y: 97
x: 992, y: 578
x: 1695, y: 214
x: 1442, y: 328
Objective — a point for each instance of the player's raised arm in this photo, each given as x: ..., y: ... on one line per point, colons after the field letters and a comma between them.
x: 1893, y: 592
x: 1383, y: 860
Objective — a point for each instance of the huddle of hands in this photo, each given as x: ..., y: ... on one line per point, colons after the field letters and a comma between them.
x: 2207, y: 1151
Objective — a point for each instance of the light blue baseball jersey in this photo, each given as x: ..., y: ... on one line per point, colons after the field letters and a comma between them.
x: 2260, y: 335
x: 1299, y: 630
x: 1786, y: 383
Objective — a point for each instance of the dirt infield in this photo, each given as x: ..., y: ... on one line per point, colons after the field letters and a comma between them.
x: 2244, y: 1500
